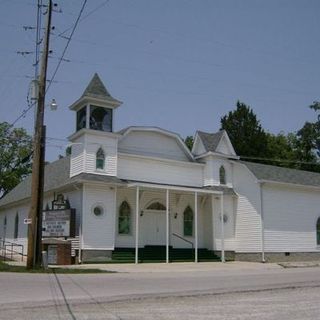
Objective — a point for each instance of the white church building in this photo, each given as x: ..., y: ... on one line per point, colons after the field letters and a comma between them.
x: 141, y: 188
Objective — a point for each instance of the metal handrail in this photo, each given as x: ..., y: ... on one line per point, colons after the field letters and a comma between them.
x: 182, y: 238
x: 4, y: 246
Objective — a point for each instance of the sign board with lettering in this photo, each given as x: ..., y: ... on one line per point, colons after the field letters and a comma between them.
x: 58, y: 223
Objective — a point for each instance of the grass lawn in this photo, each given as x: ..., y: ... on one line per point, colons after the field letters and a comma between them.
x: 4, y: 267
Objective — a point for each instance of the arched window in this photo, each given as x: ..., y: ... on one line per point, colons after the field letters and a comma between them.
x: 318, y: 232
x: 124, y: 222
x: 100, y: 159
x: 222, y: 175
x: 16, y: 226
x: 156, y: 206
x: 188, y: 222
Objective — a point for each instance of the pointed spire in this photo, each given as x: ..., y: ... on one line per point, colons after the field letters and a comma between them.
x: 96, y: 89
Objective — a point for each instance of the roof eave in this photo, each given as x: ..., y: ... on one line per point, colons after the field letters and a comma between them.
x: 291, y: 184
x: 113, y: 103
x: 217, y: 154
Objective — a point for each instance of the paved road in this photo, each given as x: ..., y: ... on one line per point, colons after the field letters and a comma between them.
x: 243, y: 293
x: 284, y: 304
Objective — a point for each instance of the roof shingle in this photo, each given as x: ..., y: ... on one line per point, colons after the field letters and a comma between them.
x: 283, y: 175
x: 210, y: 140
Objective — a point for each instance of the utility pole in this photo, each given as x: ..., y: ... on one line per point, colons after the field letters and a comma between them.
x: 35, y: 213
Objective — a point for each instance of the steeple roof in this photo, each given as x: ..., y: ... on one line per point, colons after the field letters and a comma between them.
x: 96, y: 92
x: 96, y: 89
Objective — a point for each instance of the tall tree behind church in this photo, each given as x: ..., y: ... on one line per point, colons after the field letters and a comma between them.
x: 245, y: 131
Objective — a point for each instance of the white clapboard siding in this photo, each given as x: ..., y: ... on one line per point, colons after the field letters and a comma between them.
x: 153, y: 170
x: 211, y: 174
x: 77, y: 164
x: 109, y: 146
x: 229, y: 225
x: 7, y: 232
x: 248, y: 219
x: 153, y: 144
x: 98, y: 232
x: 290, y: 217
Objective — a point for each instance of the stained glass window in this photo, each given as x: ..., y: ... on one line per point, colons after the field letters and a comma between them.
x: 100, y: 159
x: 188, y: 222
x: 124, y: 218
x: 222, y: 173
x: 156, y: 206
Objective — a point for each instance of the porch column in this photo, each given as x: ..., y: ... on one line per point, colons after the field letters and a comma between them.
x: 167, y: 226
x: 196, y: 227
x: 137, y: 227
x: 222, y: 229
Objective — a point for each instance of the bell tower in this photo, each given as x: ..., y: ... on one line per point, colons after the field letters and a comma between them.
x: 94, y: 144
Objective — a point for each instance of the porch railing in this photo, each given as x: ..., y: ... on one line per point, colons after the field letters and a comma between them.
x: 9, y: 249
x: 184, y: 239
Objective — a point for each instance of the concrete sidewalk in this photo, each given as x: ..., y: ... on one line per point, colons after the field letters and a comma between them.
x: 178, y: 267
x: 184, y: 266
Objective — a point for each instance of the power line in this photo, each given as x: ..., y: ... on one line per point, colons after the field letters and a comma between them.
x: 68, y: 42
x: 84, y: 17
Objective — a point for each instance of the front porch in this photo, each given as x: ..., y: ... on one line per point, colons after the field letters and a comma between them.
x: 169, y: 223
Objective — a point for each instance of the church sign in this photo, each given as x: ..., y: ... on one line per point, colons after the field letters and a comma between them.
x: 58, y: 223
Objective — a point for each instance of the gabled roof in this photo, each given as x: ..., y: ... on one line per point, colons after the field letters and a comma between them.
x: 217, y: 144
x: 56, y: 176
x: 210, y: 140
x: 270, y: 173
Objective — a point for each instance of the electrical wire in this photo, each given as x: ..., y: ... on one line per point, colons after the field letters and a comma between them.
x: 67, y: 44
x: 84, y: 17
x: 30, y: 106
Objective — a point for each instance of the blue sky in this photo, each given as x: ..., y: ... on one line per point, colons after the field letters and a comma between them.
x: 180, y: 65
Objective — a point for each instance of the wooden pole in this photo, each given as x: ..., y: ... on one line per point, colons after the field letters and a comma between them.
x: 34, y: 237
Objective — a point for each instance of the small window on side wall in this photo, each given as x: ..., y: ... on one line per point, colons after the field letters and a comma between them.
x: 222, y: 175
x: 16, y: 226
x: 124, y: 222
x: 318, y: 232
x: 100, y: 159
x: 188, y: 222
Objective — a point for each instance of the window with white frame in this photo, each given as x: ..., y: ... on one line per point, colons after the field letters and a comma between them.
x: 100, y: 159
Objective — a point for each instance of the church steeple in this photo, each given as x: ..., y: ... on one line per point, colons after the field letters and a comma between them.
x: 94, y: 144
x: 95, y: 107
x: 96, y: 89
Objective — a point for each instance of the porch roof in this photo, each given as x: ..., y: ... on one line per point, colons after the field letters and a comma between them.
x: 218, y: 190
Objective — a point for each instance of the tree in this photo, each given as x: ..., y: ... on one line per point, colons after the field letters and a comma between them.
x: 15, y: 156
x: 316, y: 107
x: 189, y: 142
x: 281, y: 147
x: 245, y: 132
